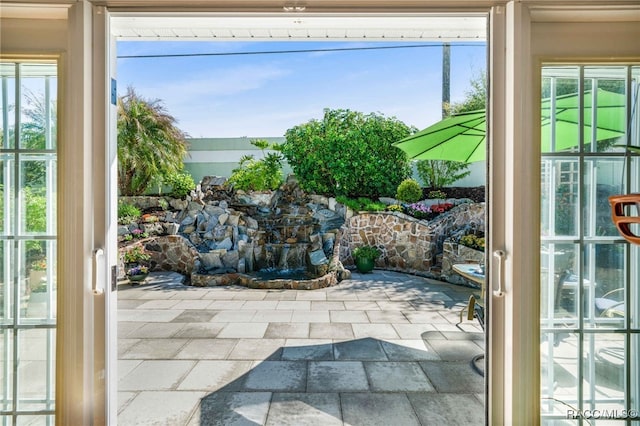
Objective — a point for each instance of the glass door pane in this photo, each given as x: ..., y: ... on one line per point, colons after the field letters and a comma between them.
x: 589, y: 273
x: 28, y: 242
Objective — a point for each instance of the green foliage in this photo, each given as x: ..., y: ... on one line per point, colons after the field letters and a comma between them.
x: 441, y: 173
x: 181, y: 184
x: 437, y: 195
x: 136, y: 254
x: 150, y: 145
x: 395, y: 208
x: 475, y: 99
x: 258, y: 175
x: 361, y: 204
x: 473, y: 241
x: 348, y: 153
x: 128, y: 213
x: 164, y: 204
x: 36, y: 209
x: 366, y: 252
x: 409, y: 191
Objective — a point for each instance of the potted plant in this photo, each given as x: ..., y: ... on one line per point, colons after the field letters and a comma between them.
x: 135, y: 260
x: 138, y: 273
x: 365, y: 258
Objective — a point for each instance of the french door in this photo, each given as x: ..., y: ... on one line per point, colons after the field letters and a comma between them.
x: 590, y: 276
x: 28, y: 286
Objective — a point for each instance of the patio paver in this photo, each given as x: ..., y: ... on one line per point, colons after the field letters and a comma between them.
x: 381, y: 348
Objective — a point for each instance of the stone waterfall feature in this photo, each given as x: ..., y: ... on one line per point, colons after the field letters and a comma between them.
x: 264, y: 240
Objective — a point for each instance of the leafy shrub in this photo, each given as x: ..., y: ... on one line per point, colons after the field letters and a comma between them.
x: 348, y: 153
x: 181, y: 184
x: 128, y: 213
x: 440, y: 173
x: 395, y: 208
x: 409, y: 191
x: 258, y: 175
x: 473, y: 241
x: 366, y: 252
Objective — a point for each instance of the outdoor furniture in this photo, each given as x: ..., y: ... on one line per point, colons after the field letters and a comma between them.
x: 567, y: 291
x: 609, y: 307
x: 474, y: 273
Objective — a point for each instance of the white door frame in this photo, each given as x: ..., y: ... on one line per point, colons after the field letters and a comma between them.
x: 523, y: 34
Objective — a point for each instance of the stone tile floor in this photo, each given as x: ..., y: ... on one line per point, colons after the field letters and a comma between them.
x: 380, y: 349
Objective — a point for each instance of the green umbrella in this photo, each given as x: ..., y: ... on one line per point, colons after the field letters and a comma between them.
x: 462, y: 137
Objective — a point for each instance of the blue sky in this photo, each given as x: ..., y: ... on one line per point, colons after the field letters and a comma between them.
x: 264, y: 95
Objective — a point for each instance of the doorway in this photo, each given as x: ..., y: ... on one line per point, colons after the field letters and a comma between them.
x: 480, y: 413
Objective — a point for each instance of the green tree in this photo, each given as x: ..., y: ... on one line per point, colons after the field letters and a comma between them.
x: 150, y: 145
x: 441, y: 173
x: 348, y: 153
x: 475, y: 98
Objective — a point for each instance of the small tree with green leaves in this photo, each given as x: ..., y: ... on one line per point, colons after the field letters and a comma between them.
x: 259, y: 174
x: 348, y: 153
x: 441, y: 173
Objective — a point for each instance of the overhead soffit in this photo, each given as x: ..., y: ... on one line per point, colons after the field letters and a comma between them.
x: 301, y: 26
x: 33, y: 11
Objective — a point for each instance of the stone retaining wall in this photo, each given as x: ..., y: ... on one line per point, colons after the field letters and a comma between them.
x: 408, y: 244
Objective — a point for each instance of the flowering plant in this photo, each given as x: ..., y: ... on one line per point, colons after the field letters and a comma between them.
x: 135, y: 255
x: 422, y: 211
x: 39, y: 265
x: 138, y: 270
x: 441, y: 208
x: 419, y: 211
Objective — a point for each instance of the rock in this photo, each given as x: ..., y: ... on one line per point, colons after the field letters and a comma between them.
x: 195, y: 238
x: 188, y: 221
x: 328, y: 219
x: 233, y: 220
x: 222, y: 219
x: 256, y: 198
x: 230, y: 259
x: 208, y: 235
x: 389, y: 201
x: 250, y: 222
x: 223, y: 204
x: 241, y: 266
x: 188, y: 229
x: 123, y: 230
x: 225, y: 244
x: 195, y: 206
x: 214, y: 210
x: 178, y: 204
x: 154, y: 228
x: 316, y: 242
x: 327, y: 247
x: 317, y: 258
x: 211, y: 260
x: 213, y: 183
x: 171, y: 228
